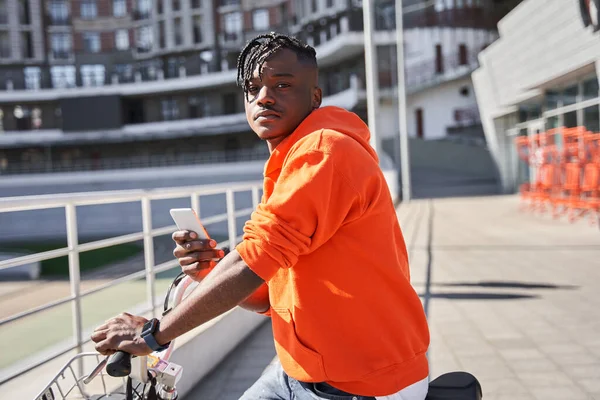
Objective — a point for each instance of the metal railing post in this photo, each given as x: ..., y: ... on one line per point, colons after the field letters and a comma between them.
x: 74, y: 276
x: 196, y: 203
x: 148, y: 252
x: 255, y: 197
x: 231, y: 225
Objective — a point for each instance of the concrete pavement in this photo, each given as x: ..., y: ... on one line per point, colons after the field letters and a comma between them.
x: 511, y: 297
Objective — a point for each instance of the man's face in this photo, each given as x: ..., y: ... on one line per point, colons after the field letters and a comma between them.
x: 279, y: 102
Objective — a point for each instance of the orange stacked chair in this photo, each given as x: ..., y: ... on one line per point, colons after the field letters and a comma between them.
x: 567, y: 172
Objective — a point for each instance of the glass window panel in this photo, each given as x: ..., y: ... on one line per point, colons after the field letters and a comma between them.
x: 591, y: 118
x: 570, y: 119
x: 552, y: 99
x: 590, y: 89
x: 570, y: 95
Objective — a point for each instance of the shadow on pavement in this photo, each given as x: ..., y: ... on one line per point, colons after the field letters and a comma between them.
x: 508, y: 285
x: 479, y: 296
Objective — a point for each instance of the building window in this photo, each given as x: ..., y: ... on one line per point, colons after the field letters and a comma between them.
x: 260, y: 20
x: 570, y: 95
x: 173, y: 64
x: 124, y: 72
x: 199, y: 107
x: 24, y: 12
x: 197, y: 29
x: 91, y: 42
x: 439, y: 59
x: 162, y: 35
x: 178, y: 31
x: 169, y: 108
x: 63, y: 76
x: 119, y: 8
x: 88, y: 9
x: 196, y: 3
x: 122, y: 39
x: 61, y: 46
x: 176, y: 5
x: 462, y: 54
x: 313, y: 6
x: 33, y: 78
x: 92, y: 75
x: 233, y: 25
x: 590, y: 89
x: 3, y: 12
x: 5, y: 45
x: 144, y: 39
x: 26, y: 45
x: 144, y: 7
x: 591, y: 118
x: 329, y: 3
x: 59, y: 12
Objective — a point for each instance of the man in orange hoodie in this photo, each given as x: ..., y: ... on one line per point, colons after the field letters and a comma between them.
x: 323, y: 254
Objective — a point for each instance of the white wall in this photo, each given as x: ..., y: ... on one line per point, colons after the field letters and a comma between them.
x: 540, y: 42
x: 421, y: 42
x: 438, y: 104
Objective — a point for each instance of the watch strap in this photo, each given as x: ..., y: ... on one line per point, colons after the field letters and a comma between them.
x: 151, y: 341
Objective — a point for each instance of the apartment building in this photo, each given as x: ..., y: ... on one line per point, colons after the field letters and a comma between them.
x: 97, y: 84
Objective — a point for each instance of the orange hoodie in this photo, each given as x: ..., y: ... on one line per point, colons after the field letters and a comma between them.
x: 327, y: 241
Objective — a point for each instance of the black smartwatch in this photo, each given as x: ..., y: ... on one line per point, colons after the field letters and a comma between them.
x: 147, y: 334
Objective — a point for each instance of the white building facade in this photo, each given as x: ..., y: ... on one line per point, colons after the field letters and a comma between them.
x: 542, y: 73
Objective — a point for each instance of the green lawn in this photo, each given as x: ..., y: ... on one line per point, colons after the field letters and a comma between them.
x: 88, y: 260
x: 38, y: 332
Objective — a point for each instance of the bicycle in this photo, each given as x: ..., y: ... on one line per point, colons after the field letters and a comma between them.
x: 121, y: 376
x: 159, y: 377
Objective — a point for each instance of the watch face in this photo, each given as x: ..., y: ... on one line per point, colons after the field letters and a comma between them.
x: 149, y: 327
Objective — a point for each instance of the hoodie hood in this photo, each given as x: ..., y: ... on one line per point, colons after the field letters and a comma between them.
x: 328, y: 117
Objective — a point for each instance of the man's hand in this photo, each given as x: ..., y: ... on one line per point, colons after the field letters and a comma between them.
x: 121, y: 333
x: 196, y: 257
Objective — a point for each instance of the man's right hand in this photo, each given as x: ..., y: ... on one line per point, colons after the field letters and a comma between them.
x: 196, y: 256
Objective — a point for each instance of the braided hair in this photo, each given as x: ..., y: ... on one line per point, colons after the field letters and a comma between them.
x: 259, y: 49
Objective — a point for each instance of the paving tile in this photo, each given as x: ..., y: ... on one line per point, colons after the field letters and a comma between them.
x: 554, y: 392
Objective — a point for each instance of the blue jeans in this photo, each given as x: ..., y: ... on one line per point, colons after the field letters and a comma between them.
x: 275, y: 384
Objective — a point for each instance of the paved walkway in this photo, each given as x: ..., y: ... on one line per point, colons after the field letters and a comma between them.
x: 511, y: 297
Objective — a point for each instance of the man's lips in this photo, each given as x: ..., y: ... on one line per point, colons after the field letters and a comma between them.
x: 267, y: 115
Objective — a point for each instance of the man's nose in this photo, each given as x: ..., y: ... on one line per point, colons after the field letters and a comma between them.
x: 265, y: 96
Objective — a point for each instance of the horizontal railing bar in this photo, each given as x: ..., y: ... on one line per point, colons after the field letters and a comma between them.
x: 213, y: 219
x: 23, y: 203
x: 123, y: 279
x: 36, y: 364
x: 164, y: 230
x: 36, y: 310
x: 41, y: 256
x: 98, y: 244
x: 244, y: 212
x: 165, y: 266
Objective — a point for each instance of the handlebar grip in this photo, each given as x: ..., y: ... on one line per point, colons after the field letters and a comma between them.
x: 119, y: 364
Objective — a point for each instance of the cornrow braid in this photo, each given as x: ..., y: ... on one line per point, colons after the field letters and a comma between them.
x: 259, y: 49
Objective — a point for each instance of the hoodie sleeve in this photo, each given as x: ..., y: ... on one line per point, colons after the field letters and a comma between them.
x: 309, y: 203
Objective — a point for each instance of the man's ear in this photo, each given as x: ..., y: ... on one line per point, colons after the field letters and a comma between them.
x: 317, y: 97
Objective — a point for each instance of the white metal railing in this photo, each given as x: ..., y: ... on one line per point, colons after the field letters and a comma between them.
x: 71, y: 201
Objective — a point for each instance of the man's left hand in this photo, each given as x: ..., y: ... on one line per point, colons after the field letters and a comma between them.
x: 121, y: 333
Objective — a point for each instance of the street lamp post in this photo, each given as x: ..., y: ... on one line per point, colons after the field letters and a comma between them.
x: 402, y: 124
x: 372, y: 79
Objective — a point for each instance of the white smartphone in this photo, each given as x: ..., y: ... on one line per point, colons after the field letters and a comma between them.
x: 187, y: 220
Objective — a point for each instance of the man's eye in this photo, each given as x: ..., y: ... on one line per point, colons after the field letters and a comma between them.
x: 252, y: 89
x: 283, y: 85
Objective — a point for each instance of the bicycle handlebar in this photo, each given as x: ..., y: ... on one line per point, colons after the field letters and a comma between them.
x: 119, y: 364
